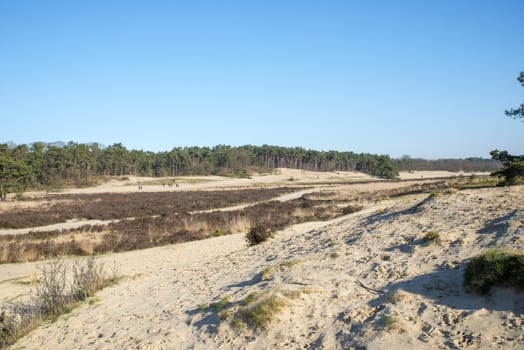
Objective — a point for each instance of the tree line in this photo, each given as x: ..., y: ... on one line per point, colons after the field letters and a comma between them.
x: 472, y: 164
x: 58, y: 164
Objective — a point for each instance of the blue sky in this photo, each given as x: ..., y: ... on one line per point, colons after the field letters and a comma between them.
x: 424, y: 78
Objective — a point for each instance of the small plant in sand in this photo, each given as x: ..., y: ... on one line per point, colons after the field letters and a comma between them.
x: 258, y: 233
x: 217, y: 233
x: 495, y: 267
x: 257, y: 310
x: 260, y: 309
x: 269, y: 271
x: 392, y: 323
x: 334, y: 255
x: 396, y: 297
x: 432, y: 237
x: 221, y: 304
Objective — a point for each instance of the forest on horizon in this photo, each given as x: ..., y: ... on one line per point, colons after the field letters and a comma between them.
x: 57, y: 164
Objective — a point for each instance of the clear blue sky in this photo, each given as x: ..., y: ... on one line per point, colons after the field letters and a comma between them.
x: 425, y: 78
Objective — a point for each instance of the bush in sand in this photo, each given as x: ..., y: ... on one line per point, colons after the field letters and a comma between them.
x: 495, y: 267
x: 258, y: 233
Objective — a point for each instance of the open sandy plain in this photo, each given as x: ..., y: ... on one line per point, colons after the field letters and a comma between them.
x: 362, y: 281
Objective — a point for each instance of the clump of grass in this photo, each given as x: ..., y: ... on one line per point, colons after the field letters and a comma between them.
x: 269, y: 271
x: 259, y: 311
x: 391, y: 323
x: 395, y: 297
x: 435, y: 194
x: 220, y: 305
x: 334, y: 255
x: 217, y: 233
x: 495, y: 267
x: 203, y: 307
x: 52, y: 296
x: 258, y: 233
x: 251, y: 298
x: 432, y: 237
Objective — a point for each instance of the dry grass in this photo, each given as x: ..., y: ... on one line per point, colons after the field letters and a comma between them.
x: 431, y: 237
x: 258, y: 310
x: 268, y: 272
x: 395, y: 297
x: 57, y: 291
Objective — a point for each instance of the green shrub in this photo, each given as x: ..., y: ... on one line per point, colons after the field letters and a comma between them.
x: 495, y: 267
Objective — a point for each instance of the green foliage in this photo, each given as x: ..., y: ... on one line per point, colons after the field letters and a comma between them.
x: 13, y: 175
x: 221, y: 304
x: 494, y: 267
x: 55, y: 165
x: 519, y: 112
x: 513, y: 171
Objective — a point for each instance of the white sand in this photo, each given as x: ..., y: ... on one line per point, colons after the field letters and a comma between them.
x: 337, y: 266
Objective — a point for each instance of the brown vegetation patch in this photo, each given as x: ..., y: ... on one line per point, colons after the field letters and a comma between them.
x: 109, y: 206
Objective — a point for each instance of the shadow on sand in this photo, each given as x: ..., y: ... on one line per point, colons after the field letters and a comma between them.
x: 445, y: 288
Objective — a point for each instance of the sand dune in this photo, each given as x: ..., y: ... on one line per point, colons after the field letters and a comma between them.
x: 363, y: 281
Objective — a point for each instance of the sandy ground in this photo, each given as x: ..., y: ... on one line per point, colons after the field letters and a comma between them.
x: 363, y: 281
x: 280, y: 177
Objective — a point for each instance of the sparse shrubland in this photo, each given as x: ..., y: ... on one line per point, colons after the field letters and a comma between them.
x: 111, y: 206
x: 144, y: 220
